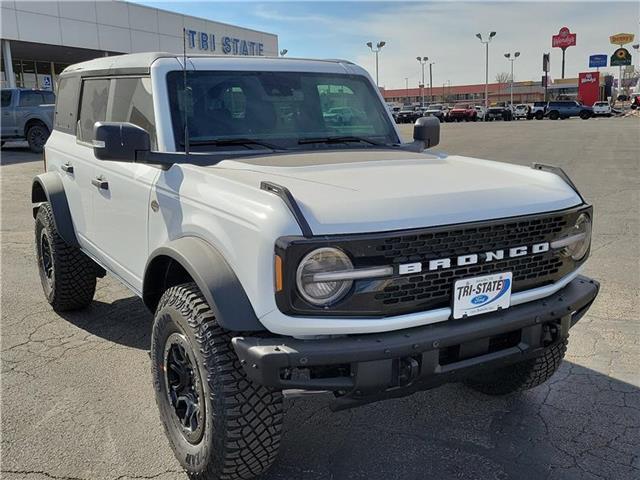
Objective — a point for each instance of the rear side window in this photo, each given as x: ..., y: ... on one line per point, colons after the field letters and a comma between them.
x: 67, y: 105
x: 49, y: 98
x: 130, y: 101
x: 93, y: 107
x: 31, y: 99
x: 6, y: 98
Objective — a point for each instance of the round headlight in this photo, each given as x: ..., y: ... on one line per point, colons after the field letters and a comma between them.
x: 323, y: 260
x: 582, y: 228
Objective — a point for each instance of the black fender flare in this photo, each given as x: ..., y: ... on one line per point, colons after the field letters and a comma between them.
x: 212, y: 274
x: 48, y: 187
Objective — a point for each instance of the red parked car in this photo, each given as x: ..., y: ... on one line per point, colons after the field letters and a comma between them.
x: 463, y: 111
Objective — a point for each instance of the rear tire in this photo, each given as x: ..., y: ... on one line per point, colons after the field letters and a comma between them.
x: 37, y: 136
x: 554, y: 115
x: 67, y: 275
x: 521, y: 376
x: 539, y: 115
x: 238, y: 424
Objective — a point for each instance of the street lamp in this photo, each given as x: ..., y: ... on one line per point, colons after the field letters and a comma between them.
x: 486, y: 68
x: 431, y: 81
x: 376, y: 50
x: 508, y: 57
x: 406, y: 89
x: 283, y: 52
x: 422, y: 61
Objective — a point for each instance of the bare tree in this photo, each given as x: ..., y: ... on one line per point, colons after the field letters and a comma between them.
x: 501, y: 79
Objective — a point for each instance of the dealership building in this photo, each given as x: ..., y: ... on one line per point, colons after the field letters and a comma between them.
x: 40, y: 39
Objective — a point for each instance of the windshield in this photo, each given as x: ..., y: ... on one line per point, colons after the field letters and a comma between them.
x: 280, y: 110
x: 461, y: 106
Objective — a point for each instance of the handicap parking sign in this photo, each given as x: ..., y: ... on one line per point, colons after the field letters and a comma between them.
x: 46, y: 82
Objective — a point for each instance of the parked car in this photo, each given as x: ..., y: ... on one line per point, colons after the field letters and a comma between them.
x: 499, y: 112
x: 27, y: 115
x: 521, y: 111
x: 537, y: 111
x: 408, y: 114
x: 436, y: 110
x: 342, y: 115
x: 274, y: 258
x: 561, y: 109
x: 601, y: 109
x: 479, y: 112
x: 462, y: 112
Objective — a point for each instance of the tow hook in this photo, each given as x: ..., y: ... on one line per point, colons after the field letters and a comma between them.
x: 408, y: 370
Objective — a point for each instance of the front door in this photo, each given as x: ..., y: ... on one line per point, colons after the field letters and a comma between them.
x: 121, y: 189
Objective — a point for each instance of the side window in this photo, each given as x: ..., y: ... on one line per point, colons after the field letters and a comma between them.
x: 6, y: 98
x: 93, y: 106
x: 131, y: 101
x: 49, y: 98
x: 30, y: 99
x: 67, y: 105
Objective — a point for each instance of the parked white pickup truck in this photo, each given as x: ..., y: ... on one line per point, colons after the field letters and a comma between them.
x: 279, y: 250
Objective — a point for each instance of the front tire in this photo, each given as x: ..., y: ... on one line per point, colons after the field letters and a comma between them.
x: 522, y: 375
x: 220, y: 425
x: 67, y: 275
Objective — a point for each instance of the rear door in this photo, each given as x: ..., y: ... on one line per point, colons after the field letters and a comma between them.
x: 8, y: 113
x: 122, y: 190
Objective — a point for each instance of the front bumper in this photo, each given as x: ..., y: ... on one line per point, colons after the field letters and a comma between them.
x: 367, y: 367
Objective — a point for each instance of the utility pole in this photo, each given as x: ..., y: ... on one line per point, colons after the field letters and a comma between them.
x: 422, y: 61
x: 406, y: 88
x: 376, y: 50
x: 486, y: 68
x: 431, y: 81
x: 508, y: 57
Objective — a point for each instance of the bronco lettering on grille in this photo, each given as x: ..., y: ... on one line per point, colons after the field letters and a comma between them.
x: 472, y: 259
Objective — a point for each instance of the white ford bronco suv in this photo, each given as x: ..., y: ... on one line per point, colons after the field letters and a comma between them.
x: 282, y: 250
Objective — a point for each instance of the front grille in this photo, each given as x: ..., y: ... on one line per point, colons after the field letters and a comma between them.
x: 435, y: 287
x: 428, y: 290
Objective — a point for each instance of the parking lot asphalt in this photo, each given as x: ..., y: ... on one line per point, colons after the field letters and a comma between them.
x: 77, y: 399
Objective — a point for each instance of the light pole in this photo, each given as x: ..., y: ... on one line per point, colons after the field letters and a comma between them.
x: 376, y: 50
x: 423, y: 61
x: 283, y: 52
x: 431, y: 81
x: 508, y: 57
x: 486, y: 68
x: 406, y: 88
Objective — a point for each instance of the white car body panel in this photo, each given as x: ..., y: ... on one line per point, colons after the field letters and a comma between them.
x: 375, y: 191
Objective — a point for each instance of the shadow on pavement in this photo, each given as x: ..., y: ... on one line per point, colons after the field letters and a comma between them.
x: 18, y: 153
x: 581, y: 424
x: 126, y: 322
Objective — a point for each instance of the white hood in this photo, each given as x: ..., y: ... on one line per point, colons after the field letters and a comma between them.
x: 354, y: 191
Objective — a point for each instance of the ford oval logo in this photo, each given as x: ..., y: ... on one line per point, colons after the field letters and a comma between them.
x: 479, y: 299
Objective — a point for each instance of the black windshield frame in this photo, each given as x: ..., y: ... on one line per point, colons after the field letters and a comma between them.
x: 373, y: 115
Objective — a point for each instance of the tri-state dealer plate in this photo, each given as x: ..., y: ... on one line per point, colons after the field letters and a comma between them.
x: 476, y: 295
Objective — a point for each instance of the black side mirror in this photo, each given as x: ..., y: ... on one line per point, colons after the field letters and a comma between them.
x: 119, y: 141
x: 426, y: 131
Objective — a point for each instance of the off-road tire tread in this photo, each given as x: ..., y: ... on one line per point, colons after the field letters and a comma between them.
x: 523, y: 375
x: 247, y: 417
x: 75, y: 273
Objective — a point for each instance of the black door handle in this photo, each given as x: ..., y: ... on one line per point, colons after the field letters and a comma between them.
x: 100, y: 182
x: 67, y: 167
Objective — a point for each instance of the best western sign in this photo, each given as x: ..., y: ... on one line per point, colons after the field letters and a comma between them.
x: 228, y: 45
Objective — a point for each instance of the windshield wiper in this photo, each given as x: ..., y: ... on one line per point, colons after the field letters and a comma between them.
x: 342, y: 139
x: 243, y: 142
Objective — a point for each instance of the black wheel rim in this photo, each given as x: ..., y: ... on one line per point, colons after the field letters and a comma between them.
x: 46, y: 258
x: 37, y: 137
x: 184, y: 388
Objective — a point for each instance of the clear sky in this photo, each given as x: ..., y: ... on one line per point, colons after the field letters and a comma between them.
x: 443, y: 31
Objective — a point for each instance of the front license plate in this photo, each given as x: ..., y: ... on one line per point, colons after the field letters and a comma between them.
x: 476, y: 295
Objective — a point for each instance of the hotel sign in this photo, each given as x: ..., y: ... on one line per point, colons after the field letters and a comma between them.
x: 206, y: 42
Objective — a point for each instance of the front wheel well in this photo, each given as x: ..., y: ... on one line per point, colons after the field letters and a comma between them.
x: 163, y: 273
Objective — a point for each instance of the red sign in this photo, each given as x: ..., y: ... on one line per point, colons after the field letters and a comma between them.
x: 589, y: 87
x: 564, y: 39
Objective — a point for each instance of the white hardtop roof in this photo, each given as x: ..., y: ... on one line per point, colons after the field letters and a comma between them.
x: 137, y: 63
